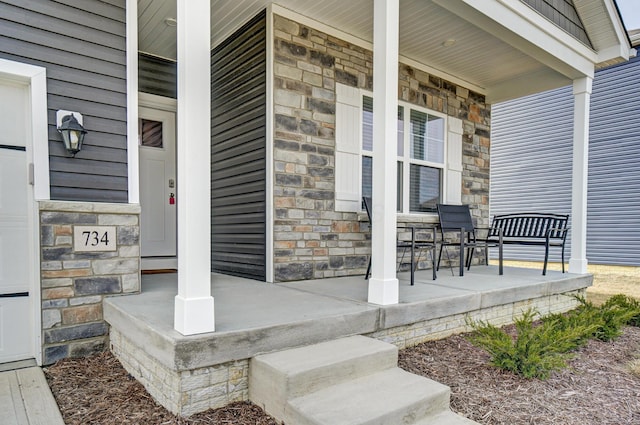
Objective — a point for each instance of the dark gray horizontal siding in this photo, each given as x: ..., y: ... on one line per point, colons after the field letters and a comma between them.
x: 531, y: 155
x: 82, y: 45
x: 238, y: 149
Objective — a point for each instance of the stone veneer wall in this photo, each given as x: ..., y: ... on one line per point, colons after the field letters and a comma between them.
x: 183, y: 392
x: 434, y: 329
x: 73, y: 284
x: 188, y: 392
x: 311, y: 239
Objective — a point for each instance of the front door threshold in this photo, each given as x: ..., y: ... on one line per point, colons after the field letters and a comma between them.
x: 158, y: 263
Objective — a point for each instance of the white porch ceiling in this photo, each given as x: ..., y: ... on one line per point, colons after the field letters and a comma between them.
x: 485, y: 61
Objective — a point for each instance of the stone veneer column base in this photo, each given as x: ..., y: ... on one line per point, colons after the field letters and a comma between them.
x: 192, y: 391
x: 183, y: 392
x: 74, y: 282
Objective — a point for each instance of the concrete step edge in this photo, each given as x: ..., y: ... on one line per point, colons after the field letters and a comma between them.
x: 274, y: 378
x: 388, y: 397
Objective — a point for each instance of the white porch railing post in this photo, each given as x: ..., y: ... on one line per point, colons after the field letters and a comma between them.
x: 581, y: 98
x: 383, y: 284
x: 194, y: 311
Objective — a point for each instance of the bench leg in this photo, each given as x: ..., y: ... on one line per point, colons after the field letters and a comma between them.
x: 366, y: 276
x: 563, y: 258
x: 546, y: 259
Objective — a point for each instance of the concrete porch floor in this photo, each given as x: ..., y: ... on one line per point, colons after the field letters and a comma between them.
x: 254, y: 317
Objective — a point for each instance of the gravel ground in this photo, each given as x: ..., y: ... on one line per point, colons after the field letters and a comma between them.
x: 597, y: 389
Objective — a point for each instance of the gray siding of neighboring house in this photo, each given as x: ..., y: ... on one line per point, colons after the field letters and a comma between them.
x: 82, y: 45
x: 238, y: 148
x: 157, y: 76
x: 531, y: 154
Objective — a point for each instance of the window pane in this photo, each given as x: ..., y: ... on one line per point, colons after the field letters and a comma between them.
x: 367, y: 176
x: 424, y: 190
x: 427, y: 137
x: 400, y: 131
x: 151, y: 133
x: 367, y: 123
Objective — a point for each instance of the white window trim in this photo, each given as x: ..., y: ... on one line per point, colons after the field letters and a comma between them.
x: 406, y: 158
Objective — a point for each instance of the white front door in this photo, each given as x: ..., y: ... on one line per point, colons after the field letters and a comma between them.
x: 16, y: 309
x: 158, y: 185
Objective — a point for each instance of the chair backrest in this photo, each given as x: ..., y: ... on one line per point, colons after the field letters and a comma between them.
x: 455, y: 217
x: 367, y: 206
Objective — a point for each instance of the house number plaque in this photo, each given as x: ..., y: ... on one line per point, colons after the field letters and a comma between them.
x: 94, y: 238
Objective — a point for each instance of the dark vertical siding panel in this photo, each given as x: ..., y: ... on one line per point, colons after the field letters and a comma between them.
x: 531, y: 150
x: 82, y: 45
x: 157, y: 76
x: 238, y: 147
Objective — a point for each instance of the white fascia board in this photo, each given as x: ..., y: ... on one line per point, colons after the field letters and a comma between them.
x: 617, y: 52
x: 520, y: 26
x: 623, y: 50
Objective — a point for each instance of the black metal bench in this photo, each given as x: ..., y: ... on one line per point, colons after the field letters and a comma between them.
x: 532, y: 229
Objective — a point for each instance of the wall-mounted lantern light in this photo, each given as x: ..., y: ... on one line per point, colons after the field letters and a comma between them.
x: 70, y: 127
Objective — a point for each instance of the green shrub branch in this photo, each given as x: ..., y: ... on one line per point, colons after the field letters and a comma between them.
x: 542, y: 346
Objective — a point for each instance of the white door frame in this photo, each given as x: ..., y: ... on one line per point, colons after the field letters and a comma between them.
x: 168, y: 104
x: 37, y: 150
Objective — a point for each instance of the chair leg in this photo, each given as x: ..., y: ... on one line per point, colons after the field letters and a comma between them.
x: 563, y: 258
x: 433, y: 260
x: 546, y: 259
x: 366, y: 276
x: 470, y: 258
x: 439, y: 257
x: 404, y: 250
x: 448, y: 258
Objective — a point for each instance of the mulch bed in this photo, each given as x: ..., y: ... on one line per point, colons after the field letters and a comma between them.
x: 597, y: 389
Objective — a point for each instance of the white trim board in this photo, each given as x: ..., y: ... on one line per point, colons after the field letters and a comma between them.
x: 37, y: 150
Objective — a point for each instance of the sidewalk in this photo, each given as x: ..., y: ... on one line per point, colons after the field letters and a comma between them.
x: 25, y: 398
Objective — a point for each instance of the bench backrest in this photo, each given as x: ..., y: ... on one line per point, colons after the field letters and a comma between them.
x: 530, y: 225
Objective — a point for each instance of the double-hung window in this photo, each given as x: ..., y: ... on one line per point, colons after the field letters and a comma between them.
x: 421, y: 156
x: 429, y: 154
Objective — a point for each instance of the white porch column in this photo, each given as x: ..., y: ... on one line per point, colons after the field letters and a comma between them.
x: 194, y: 303
x: 383, y: 284
x: 581, y: 98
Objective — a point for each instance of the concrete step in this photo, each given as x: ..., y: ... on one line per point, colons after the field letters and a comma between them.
x: 277, y: 377
x: 390, y: 397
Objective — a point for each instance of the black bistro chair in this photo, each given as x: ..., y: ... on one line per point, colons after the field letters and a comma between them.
x: 418, y: 246
x: 457, y: 219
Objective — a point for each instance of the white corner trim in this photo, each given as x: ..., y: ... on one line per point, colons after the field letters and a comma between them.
x: 269, y: 172
x: 133, y: 170
x: 36, y: 78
